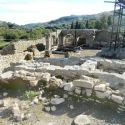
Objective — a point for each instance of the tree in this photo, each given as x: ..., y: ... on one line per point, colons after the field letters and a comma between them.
x: 97, y: 24
x: 35, y: 33
x: 87, y: 24
x: 92, y: 23
x: 77, y: 25
x: 103, y: 21
x: 11, y: 35
x: 72, y: 25
x: 109, y: 21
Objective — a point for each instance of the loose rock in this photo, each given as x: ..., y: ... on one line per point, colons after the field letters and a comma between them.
x: 47, y: 109
x: 57, y: 101
x: 82, y: 120
x: 53, y: 108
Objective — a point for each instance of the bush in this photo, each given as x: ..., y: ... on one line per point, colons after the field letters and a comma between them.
x: 30, y: 48
x: 28, y: 57
x: 40, y: 47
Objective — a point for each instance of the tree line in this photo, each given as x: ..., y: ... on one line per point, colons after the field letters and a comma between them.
x: 104, y: 22
x: 12, y: 32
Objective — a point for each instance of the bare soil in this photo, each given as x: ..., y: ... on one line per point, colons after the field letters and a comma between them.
x: 98, y: 114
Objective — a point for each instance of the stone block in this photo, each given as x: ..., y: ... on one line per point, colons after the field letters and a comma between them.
x: 78, y: 90
x: 101, y: 87
x: 88, y: 92
x: 117, y: 99
x: 100, y: 95
x: 83, y: 83
x: 57, y: 101
x: 68, y: 86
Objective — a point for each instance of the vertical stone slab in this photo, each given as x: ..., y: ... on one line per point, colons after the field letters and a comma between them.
x: 48, y: 41
x: 61, y: 41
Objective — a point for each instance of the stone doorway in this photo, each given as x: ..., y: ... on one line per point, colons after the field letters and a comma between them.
x: 81, y: 41
x: 68, y: 40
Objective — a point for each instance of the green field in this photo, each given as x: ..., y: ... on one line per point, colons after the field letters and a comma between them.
x: 3, y: 43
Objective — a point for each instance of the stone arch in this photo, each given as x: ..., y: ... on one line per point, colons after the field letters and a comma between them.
x: 54, y: 40
x: 68, y: 40
x: 81, y: 40
x: 87, y: 35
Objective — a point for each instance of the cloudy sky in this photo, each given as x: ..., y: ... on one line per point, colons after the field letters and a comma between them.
x: 32, y: 11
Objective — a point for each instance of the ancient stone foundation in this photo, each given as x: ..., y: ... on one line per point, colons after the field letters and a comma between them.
x: 96, y: 79
x: 20, y: 46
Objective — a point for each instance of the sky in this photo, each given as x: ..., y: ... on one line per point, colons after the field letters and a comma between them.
x: 33, y: 11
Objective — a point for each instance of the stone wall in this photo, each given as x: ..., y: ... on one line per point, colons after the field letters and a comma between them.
x: 14, y: 52
x: 92, y: 38
x: 88, y: 34
x: 20, y: 46
x: 7, y: 60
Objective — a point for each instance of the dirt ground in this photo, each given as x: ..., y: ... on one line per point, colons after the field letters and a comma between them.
x: 79, y: 53
x: 97, y: 113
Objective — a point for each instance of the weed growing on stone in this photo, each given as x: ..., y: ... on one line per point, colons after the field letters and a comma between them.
x: 29, y: 94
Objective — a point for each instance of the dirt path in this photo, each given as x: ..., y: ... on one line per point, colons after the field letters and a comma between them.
x: 97, y: 113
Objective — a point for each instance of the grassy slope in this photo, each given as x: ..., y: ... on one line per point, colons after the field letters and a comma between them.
x: 3, y: 43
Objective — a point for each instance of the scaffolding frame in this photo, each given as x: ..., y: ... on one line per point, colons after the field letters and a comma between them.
x: 117, y: 26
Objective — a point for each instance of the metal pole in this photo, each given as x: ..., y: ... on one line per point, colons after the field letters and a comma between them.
x: 112, y: 26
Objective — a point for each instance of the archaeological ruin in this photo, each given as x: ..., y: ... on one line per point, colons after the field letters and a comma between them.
x: 60, y: 80
x: 68, y: 77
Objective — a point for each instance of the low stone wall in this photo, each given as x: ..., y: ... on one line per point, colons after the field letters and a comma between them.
x: 7, y: 60
x: 20, y: 46
x: 85, y: 79
x: 14, y: 52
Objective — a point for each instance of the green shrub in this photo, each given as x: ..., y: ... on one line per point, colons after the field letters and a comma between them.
x: 40, y: 47
x: 29, y: 94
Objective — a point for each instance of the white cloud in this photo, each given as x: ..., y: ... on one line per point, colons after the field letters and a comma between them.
x: 42, y: 11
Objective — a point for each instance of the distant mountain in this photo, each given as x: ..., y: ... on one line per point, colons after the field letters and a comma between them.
x: 33, y: 25
x: 67, y: 20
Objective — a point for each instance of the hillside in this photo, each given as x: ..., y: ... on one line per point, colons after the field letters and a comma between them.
x: 67, y: 20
